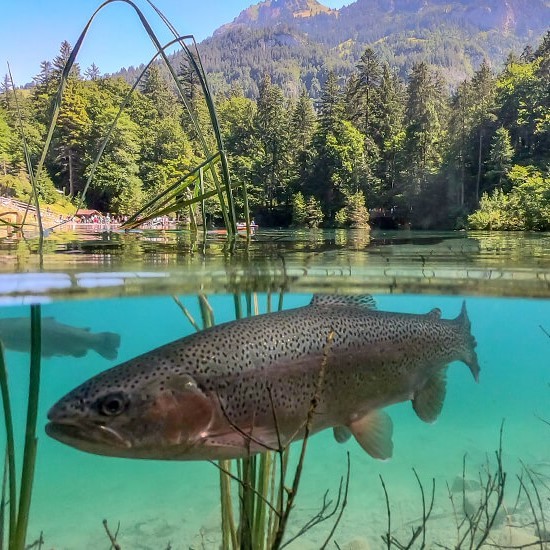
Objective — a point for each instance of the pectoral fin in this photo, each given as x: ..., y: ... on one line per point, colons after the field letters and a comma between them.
x: 341, y: 434
x: 428, y: 401
x: 373, y: 432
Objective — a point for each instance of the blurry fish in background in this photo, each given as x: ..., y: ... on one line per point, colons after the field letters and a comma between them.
x: 245, y: 386
x: 58, y: 339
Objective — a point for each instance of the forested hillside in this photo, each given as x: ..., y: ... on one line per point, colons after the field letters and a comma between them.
x: 371, y: 141
x: 285, y: 38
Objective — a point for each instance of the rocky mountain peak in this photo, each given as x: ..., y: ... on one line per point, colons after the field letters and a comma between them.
x: 272, y: 12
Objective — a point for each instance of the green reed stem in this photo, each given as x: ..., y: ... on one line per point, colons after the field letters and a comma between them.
x: 229, y: 531
x: 3, y: 502
x: 228, y: 210
x: 260, y: 520
x: 32, y: 176
x: 229, y: 215
x: 10, y: 447
x: 29, y: 453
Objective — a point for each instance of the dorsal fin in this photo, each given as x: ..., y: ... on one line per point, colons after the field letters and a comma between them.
x: 434, y: 314
x: 363, y: 300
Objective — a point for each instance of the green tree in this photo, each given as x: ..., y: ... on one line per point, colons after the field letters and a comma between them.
x: 354, y: 213
x: 425, y: 126
x: 301, y: 131
x: 92, y: 72
x: 482, y: 105
x: 189, y: 79
x: 5, y: 138
x: 365, y: 91
x: 526, y: 207
x: 299, y: 210
x: 500, y: 156
x: 271, y: 128
x: 331, y: 106
x: 157, y: 89
x: 59, y: 62
x: 116, y: 186
x: 390, y: 136
x: 69, y: 137
x: 237, y: 116
x: 314, y: 213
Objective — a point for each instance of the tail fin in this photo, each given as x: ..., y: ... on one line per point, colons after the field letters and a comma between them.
x: 469, y: 355
x: 107, y: 344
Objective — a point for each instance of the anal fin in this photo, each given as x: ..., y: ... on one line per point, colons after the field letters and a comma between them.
x: 374, y: 432
x: 428, y: 401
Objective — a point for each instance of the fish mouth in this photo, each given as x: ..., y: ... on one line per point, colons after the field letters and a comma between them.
x: 94, y: 438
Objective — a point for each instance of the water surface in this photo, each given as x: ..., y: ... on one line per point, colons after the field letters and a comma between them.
x: 125, y: 283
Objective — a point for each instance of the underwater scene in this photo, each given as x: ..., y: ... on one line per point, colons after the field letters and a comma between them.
x: 470, y: 462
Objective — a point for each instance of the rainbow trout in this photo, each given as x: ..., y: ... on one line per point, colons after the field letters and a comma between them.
x: 246, y: 386
x: 58, y: 339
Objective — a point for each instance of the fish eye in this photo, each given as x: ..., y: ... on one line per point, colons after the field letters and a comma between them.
x: 113, y: 404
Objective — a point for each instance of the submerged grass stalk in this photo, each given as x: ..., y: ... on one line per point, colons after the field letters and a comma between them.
x: 10, y: 449
x: 29, y: 453
x: 19, y: 515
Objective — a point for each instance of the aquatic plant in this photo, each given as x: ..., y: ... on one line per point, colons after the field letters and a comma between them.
x: 475, y: 523
x: 112, y: 536
x: 178, y: 196
x: 19, y: 514
x: 266, y: 487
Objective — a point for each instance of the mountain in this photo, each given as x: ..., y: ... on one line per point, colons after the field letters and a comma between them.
x: 368, y: 18
x: 298, y: 41
x: 273, y: 12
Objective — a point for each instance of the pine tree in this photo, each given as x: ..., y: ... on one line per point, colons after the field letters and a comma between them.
x: 59, y: 62
x: 314, y: 216
x: 69, y: 138
x: 302, y: 127
x: 500, y: 156
x: 92, y: 72
x: 156, y: 88
x: 271, y: 126
x: 424, y: 126
x: 5, y: 138
x: 189, y: 79
x: 6, y: 93
x: 299, y: 210
x: 483, y: 94
x: 339, y: 164
x: 331, y: 107
x: 365, y: 91
x: 390, y: 134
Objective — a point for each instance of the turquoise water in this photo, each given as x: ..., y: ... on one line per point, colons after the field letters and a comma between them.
x: 160, y: 503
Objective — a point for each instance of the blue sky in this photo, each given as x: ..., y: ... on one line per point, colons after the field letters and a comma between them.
x: 32, y: 30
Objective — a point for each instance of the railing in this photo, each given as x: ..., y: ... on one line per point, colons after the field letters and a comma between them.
x: 22, y: 206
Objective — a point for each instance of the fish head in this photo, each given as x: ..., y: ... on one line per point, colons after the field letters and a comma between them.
x: 154, y: 415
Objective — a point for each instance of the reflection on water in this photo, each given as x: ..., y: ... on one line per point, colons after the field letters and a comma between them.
x: 339, y: 260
